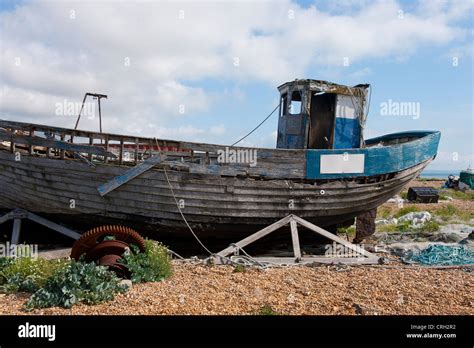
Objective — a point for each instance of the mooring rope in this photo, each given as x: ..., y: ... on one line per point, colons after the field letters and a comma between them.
x: 179, y: 208
x: 190, y: 228
x: 258, y: 263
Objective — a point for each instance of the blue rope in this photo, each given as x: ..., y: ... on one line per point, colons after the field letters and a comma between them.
x: 445, y: 255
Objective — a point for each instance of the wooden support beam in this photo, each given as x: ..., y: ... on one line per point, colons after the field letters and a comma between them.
x: 332, y: 236
x: 129, y: 175
x: 58, y: 228
x: 364, y: 258
x: 16, y: 231
x: 319, y: 259
x: 257, y: 235
x: 5, y: 218
x: 295, y: 239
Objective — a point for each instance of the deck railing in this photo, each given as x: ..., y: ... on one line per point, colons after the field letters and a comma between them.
x: 55, y: 142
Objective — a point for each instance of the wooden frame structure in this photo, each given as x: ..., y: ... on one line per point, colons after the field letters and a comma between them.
x: 17, y: 215
x: 364, y: 257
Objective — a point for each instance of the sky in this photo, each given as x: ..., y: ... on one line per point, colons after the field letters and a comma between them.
x: 208, y: 71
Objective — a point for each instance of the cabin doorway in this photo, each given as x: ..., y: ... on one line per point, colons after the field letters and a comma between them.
x: 322, y: 115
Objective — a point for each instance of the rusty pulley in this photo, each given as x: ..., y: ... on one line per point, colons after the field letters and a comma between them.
x: 105, y: 246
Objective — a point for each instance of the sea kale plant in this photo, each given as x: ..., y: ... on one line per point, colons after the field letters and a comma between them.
x: 78, y: 282
x: 26, y: 273
x: 153, y: 265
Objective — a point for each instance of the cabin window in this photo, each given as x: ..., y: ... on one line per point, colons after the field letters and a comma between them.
x: 296, y: 103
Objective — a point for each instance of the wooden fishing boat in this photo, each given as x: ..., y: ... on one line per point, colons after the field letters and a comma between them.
x: 322, y: 170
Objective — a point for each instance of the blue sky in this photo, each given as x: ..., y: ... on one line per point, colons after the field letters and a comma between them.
x: 68, y: 48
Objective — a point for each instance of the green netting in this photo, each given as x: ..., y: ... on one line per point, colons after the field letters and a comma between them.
x: 446, y: 255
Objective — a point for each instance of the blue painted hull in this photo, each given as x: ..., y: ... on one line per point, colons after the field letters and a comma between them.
x: 379, y: 160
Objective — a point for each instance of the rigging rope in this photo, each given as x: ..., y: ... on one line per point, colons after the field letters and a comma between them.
x: 253, y: 130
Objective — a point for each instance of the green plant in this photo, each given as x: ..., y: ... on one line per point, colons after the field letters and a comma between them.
x: 384, y: 212
x: 350, y: 230
x: 446, y: 212
x: 387, y: 228
x: 26, y: 273
x: 406, y: 210
x: 404, y: 194
x: 449, y: 212
x: 239, y: 269
x: 78, y: 282
x: 5, y: 262
x: 153, y: 265
x: 429, y: 179
x: 430, y: 226
x: 466, y: 195
x: 267, y: 310
x: 404, y: 226
x: 443, y: 197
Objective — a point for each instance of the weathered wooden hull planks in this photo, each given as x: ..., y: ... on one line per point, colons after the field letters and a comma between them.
x: 220, y: 198
x: 216, y: 204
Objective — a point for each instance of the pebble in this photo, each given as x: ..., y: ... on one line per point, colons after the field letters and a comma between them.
x: 363, y: 290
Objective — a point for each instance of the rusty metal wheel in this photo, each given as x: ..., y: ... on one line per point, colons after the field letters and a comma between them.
x: 105, y: 245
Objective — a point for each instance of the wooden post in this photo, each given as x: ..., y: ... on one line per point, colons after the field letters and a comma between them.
x: 121, y: 151
x: 295, y: 239
x: 16, y: 231
x: 31, y: 147
x: 150, y: 147
x: 136, y: 150
x: 106, y: 157
x: 12, y: 142
x: 63, y: 152
x: 91, y: 142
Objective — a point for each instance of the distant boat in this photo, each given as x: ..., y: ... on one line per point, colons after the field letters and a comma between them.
x: 322, y: 170
x: 467, y: 177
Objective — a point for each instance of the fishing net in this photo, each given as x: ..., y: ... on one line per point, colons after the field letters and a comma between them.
x: 445, y: 255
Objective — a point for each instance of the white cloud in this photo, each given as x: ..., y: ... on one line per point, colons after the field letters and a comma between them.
x: 177, y: 99
x: 189, y: 133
